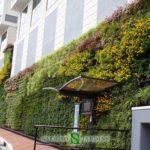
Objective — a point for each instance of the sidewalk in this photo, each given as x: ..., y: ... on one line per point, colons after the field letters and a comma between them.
x: 21, y: 143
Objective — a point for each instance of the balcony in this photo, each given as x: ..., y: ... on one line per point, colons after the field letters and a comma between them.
x: 18, y: 5
x: 3, y: 27
x: 8, y: 38
x: 7, y: 17
x: 7, y: 20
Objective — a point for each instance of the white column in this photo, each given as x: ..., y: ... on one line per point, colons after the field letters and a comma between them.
x: 41, y: 30
x: 90, y: 14
x: 26, y: 38
x: 60, y: 25
x: 14, y: 60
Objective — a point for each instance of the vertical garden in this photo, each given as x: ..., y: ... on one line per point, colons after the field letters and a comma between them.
x: 118, y: 49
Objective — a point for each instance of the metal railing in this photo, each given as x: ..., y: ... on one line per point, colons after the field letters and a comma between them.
x: 123, y: 135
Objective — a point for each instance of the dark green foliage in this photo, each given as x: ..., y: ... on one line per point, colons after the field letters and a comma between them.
x: 2, y: 105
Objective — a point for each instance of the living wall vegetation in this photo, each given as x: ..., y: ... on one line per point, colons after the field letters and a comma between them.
x: 4, y: 74
x: 118, y: 49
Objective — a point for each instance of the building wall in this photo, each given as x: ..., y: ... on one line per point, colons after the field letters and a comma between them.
x: 10, y: 39
x: 8, y: 16
x: 11, y: 36
x: 8, y: 23
x: 74, y: 19
x: 57, y: 25
x: 140, y: 128
x: 107, y: 7
x: 49, y: 33
x: 32, y: 46
x: 19, y: 51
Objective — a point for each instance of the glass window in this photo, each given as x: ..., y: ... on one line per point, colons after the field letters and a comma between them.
x: 23, y: 24
x: 36, y: 10
x: 3, y: 41
x: 4, y: 37
x: 24, y: 15
x: 35, y: 3
x: 50, y: 3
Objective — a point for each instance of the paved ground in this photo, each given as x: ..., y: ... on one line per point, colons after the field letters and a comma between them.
x: 21, y: 143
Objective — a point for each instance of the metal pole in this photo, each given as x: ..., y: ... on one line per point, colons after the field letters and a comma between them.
x: 35, y: 140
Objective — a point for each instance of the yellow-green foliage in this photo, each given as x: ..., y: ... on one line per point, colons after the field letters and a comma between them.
x: 78, y: 64
x: 135, y: 37
x: 124, y: 43
x: 5, y: 71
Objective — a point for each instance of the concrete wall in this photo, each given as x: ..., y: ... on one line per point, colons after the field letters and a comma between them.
x: 74, y: 19
x: 32, y: 45
x: 140, y: 128
x: 59, y: 23
x: 49, y: 33
x: 19, y: 52
x: 11, y: 36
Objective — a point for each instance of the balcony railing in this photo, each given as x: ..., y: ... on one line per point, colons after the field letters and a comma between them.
x: 85, y: 138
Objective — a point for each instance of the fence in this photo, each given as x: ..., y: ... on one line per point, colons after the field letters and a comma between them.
x: 80, y: 138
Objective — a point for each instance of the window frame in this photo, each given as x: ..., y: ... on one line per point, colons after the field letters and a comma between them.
x: 35, y: 10
x: 24, y: 22
x: 50, y: 5
x: 35, y: 4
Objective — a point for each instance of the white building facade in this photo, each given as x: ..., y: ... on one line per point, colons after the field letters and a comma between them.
x: 8, y: 27
x: 46, y: 25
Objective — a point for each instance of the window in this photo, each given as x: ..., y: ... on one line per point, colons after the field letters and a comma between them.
x: 24, y: 15
x: 4, y: 37
x: 36, y: 11
x: 3, y: 41
x: 23, y: 24
x: 35, y: 3
x: 50, y: 3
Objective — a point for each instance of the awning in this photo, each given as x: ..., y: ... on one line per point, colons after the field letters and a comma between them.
x: 85, y: 86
